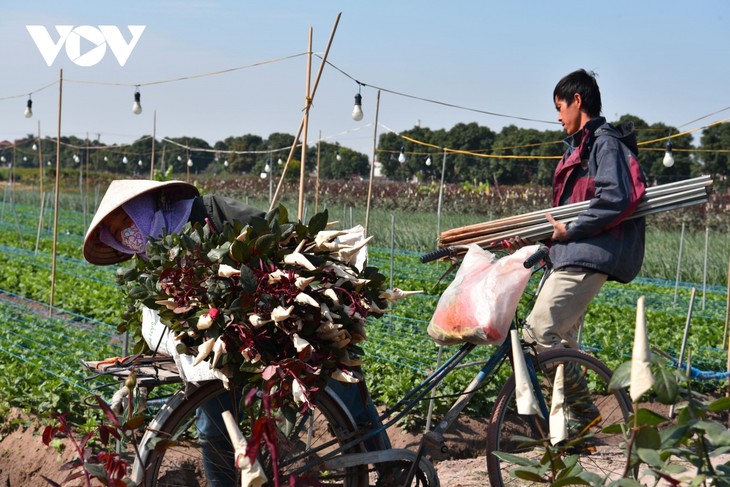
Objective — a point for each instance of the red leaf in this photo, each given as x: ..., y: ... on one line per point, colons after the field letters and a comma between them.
x: 48, y: 433
x: 108, y: 412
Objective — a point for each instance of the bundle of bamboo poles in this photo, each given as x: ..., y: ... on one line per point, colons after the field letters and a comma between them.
x: 534, y: 226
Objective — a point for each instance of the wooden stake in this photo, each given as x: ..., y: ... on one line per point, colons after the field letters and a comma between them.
x: 727, y: 318
x: 154, y: 136
x: 307, y: 106
x: 301, y: 125
x: 372, y: 166
x: 57, y: 191
x: 316, y: 184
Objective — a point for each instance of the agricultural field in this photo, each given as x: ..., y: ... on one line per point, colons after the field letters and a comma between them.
x: 41, y: 346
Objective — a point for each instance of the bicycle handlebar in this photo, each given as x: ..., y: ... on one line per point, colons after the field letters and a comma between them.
x: 541, y: 254
x: 437, y: 254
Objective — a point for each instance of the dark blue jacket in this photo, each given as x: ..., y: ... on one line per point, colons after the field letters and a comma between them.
x: 600, y: 168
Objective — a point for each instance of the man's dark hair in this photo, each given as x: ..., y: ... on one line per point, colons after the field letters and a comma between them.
x: 584, y: 83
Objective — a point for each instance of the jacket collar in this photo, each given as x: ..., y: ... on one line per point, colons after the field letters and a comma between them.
x: 574, y: 141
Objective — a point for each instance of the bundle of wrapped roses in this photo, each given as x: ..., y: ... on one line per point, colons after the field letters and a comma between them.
x: 276, y: 306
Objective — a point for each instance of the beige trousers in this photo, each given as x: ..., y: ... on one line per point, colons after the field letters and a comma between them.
x: 560, y: 308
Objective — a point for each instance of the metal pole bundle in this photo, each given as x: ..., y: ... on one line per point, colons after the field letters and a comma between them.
x: 534, y: 225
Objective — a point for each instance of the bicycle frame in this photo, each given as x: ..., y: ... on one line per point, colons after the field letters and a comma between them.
x: 434, y: 438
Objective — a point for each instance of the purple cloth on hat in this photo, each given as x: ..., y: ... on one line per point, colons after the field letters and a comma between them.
x: 150, y: 220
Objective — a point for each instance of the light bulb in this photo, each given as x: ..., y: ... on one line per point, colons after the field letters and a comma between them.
x: 137, y: 106
x: 339, y: 157
x: 139, y: 163
x: 29, y: 109
x: 106, y: 158
x: 225, y: 163
x: 357, y: 109
x: 125, y: 160
x: 77, y: 159
x: 2, y: 159
x: 402, y: 155
x: 668, y: 160
x: 428, y: 161
x: 35, y: 147
x: 267, y: 168
x: 263, y: 175
x: 279, y: 162
x: 190, y: 163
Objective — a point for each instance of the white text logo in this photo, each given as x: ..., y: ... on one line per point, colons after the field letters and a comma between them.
x: 98, y: 38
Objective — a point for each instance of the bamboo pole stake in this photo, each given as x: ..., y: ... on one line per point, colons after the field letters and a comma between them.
x: 154, y: 136
x: 305, y: 131
x: 679, y: 264
x: 56, y: 196
x: 685, y: 336
x: 724, y: 335
x: 372, y: 166
x: 301, y: 125
x: 316, y: 183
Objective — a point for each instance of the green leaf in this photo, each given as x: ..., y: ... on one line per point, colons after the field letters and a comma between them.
x: 248, y: 280
x: 673, y: 435
x: 648, y: 437
x: 138, y: 292
x: 722, y: 404
x: 650, y: 457
x: 666, y: 386
x: 318, y: 222
x: 715, y: 432
x: 217, y: 254
x: 517, y: 460
x: 259, y: 225
x: 240, y: 252
x: 96, y: 470
x: 528, y: 473
x: 265, y: 244
x: 621, y: 377
x: 648, y: 417
x: 570, y: 481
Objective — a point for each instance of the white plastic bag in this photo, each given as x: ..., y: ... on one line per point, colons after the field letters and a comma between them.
x: 479, y: 304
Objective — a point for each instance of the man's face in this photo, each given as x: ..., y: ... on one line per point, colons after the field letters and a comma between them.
x: 569, y: 116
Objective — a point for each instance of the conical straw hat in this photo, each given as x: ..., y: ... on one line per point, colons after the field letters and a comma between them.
x: 119, y: 192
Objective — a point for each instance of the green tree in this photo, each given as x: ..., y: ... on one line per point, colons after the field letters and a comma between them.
x: 716, y: 162
x: 469, y: 137
x: 651, y: 154
x: 525, y: 144
x: 337, y: 162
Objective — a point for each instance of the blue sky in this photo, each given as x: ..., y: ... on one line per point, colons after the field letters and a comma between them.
x: 665, y: 61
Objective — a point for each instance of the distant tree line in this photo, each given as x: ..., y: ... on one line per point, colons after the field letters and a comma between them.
x: 476, y: 154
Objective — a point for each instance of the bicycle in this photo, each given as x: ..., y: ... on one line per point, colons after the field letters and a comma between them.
x: 326, y: 444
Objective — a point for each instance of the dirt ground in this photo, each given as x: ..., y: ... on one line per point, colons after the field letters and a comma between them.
x: 24, y: 459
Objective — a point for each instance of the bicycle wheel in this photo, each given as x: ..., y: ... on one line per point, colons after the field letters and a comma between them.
x: 172, y: 455
x: 600, y: 453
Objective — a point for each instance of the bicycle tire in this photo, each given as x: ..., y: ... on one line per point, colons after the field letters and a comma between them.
x: 599, y: 452
x: 179, y: 461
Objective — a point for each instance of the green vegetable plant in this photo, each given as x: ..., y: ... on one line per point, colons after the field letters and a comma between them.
x: 657, y: 448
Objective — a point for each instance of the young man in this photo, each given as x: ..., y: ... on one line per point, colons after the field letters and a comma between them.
x: 601, y: 244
